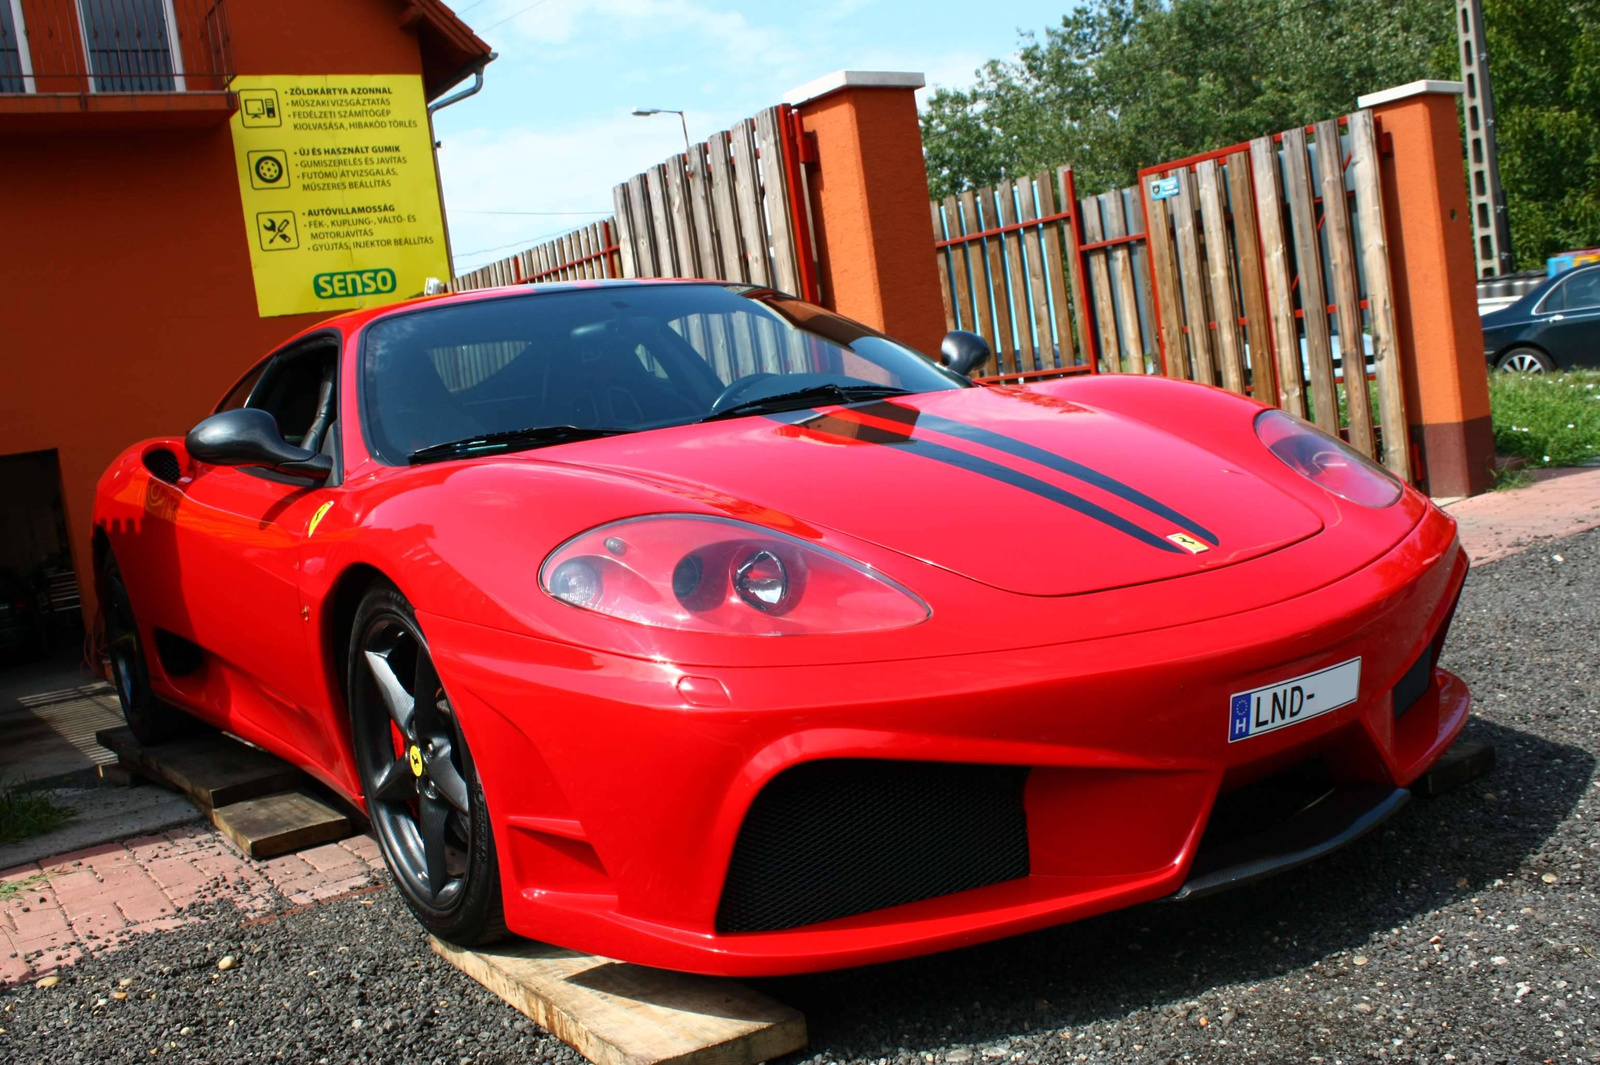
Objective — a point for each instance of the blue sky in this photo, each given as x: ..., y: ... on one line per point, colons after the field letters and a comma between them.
x: 551, y: 130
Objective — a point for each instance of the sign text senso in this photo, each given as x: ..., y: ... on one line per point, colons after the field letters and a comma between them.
x: 345, y: 283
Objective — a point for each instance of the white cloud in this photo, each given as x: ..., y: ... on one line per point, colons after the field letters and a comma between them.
x: 551, y: 131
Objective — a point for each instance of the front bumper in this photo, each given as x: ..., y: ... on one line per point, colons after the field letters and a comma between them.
x: 616, y: 807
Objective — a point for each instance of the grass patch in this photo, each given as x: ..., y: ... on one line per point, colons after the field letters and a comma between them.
x: 12, y: 888
x: 24, y: 814
x: 1505, y: 480
x: 1551, y: 419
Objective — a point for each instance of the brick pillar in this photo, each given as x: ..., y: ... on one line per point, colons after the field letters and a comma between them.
x: 1435, y: 286
x: 869, y: 203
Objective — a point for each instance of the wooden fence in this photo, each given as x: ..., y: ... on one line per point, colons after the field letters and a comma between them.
x: 734, y: 208
x: 588, y: 252
x: 1256, y: 256
x: 1008, y: 259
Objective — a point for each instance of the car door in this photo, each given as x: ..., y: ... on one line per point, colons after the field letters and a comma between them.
x: 239, y: 535
x: 1573, y: 331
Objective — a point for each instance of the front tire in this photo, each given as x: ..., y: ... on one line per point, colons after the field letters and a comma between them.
x: 149, y: 719
x: 1525, y: 360
x: 422, y: 790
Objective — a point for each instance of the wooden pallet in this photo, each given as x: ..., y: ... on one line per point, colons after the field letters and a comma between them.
x: 614, y: 1013
x: 261, y: 803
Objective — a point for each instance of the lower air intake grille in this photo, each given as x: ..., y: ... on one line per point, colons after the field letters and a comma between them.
x: 839, y: 837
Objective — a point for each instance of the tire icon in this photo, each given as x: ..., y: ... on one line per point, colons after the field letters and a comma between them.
x: 269, y: 170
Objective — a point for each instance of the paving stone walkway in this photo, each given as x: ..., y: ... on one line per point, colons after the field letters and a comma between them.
x: 90, y: 901
x: 1558, y: 503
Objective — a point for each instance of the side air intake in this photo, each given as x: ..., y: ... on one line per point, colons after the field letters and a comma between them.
x: 163, y: 464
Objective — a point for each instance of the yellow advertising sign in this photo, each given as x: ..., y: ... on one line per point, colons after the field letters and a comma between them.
x: 341, y: 201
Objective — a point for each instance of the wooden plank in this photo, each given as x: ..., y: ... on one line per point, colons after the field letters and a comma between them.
x: 1275, y: 273
x: 212, y: 769
x: 1044, y: 181
x: 661, y: 221
x: 589, y: 236
x: 705, y: 228
x: 1105, y: 315
x: 1196, y: 317
x: 941, y: 264
x: 1076, y: 282
x: 566, y: 255
x: 1380, y: 294
x: 614, y: 1013
x: 972, y: 257
x: 752, y: 223
x: 730, y: 245
x: 1120, y: 259
x: 643, y: 239
x: 1005, y: 353
x: 677, y: 185
x: 1219, y: 270
x: 1313, y: 294
x: 1164, y: 284
x: 1038, y: 287
x: 280, y: 823
x: 780, y: 208
x: 961, y: 286
x: 1346, y: 285
x: 1016, y: 277
x: 1247, y: 243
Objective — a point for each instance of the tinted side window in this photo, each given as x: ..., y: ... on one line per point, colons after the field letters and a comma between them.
x: 239, y: 394
x: 1554, y: 300
x: 1582, y: 291
x: 290, y: 388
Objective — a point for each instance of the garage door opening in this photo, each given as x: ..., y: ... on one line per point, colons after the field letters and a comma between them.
x: 40, y: 612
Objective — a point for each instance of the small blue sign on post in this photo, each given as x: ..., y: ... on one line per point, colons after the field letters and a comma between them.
x: 1163, y: 188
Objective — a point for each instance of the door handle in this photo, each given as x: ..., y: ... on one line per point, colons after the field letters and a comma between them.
x: 1555, y: 317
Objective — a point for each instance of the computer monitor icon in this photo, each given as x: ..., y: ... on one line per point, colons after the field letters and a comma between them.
x: 261, y: 107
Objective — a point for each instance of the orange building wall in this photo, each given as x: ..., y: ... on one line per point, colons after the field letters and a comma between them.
x: 128, y: 304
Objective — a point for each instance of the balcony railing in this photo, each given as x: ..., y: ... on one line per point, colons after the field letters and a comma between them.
x: 114, y: 46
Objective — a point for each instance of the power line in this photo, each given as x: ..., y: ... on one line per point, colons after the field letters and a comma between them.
x: 521, y: 242
x: 519, y: 14
x: 539, y: 213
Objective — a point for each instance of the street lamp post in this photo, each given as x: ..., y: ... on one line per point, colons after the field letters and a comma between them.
x: 646, y: 112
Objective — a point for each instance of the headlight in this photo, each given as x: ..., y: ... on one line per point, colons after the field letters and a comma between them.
x: 706, y: 574
x: 1330, y: 463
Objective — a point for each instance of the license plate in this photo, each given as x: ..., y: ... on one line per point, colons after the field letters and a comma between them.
x: 1292, y: 701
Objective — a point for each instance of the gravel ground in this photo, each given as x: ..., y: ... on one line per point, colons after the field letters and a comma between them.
x: 1463, y: 931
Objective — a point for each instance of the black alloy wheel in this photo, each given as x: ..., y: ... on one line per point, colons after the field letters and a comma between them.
x: 422, y: 791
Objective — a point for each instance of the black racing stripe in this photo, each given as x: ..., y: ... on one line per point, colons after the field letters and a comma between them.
x: 1049, y: 459
x: 844, y: 429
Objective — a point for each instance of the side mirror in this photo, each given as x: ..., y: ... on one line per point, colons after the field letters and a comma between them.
x: 249, y: 437
x: 963, y: 352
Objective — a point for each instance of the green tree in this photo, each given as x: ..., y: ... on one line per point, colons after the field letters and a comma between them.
x: 1121, y: 84
x: 1544, y: 56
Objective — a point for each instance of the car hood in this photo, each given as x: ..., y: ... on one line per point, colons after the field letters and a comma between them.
x: 1019, y: 490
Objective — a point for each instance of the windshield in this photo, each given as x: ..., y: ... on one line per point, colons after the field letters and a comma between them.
x: 617, y: 358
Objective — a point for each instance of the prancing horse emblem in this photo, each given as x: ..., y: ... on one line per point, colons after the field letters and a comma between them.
x: 1188, y: 543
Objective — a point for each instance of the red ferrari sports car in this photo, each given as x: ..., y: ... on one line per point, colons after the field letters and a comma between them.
x: 691, y: 624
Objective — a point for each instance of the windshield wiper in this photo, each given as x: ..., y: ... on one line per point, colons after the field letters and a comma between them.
x: 509, y: 440
x: 807, y: 397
